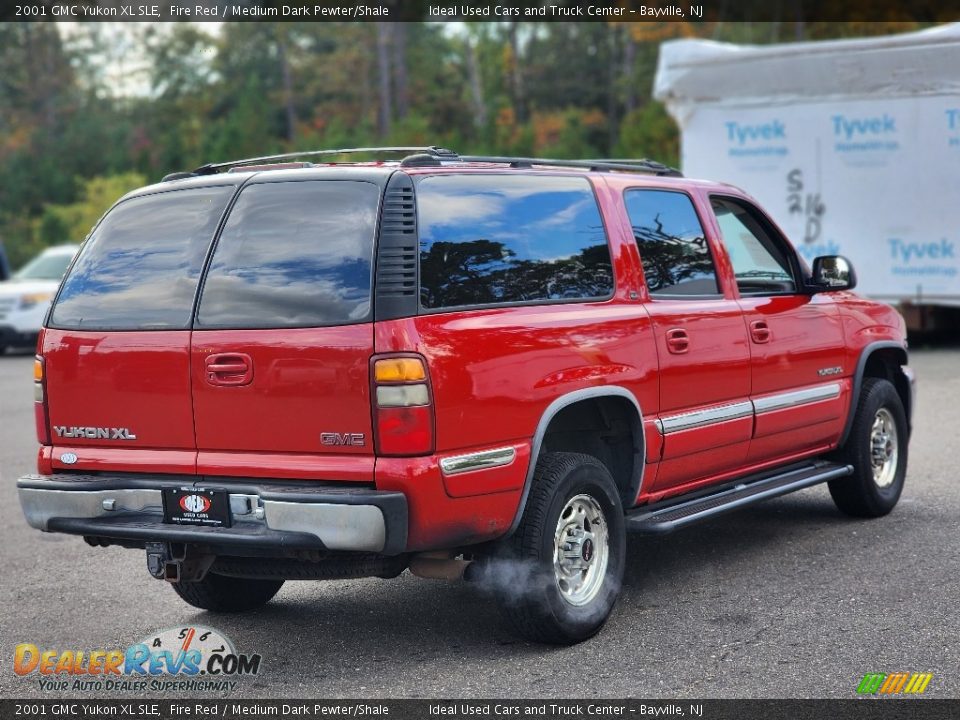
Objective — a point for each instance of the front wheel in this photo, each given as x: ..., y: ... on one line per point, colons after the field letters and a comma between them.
x: 559, y: 575
x: 877, y: 450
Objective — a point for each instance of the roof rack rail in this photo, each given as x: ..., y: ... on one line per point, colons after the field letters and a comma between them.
x: 432, y: 151
x: 434, y: 155
x: 645, y: 166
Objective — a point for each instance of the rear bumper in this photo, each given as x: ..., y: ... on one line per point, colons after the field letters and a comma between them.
x: 266, y: 515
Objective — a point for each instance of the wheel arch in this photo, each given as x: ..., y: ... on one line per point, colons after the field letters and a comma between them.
x: 883, y: 359
x: 589, y: 400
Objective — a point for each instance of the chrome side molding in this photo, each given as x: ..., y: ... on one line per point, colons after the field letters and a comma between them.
x: 482, y: 460
x: 797, y: 397
x: 707, y: 416
x: 746, y: 408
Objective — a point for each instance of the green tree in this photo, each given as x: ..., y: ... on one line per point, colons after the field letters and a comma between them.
x: 650, y: 133
x: 72, y: 222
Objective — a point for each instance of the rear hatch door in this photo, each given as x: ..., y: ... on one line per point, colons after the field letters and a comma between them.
x: 283, y: 333
x: 117, y: 347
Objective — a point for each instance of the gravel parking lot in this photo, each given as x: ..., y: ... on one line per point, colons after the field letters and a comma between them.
x: 785, y: 599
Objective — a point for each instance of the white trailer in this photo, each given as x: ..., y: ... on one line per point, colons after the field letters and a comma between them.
x: 852, y: 145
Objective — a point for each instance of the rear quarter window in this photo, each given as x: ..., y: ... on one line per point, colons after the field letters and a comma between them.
x: 139, y: 268
x: 508, y: 239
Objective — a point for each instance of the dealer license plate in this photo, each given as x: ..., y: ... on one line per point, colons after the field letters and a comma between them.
x: 196, y: 506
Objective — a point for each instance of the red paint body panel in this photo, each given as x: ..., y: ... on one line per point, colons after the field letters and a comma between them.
x: 106, y: 459
x: 494, y: 372
x: 807, y: 440
x: 741, y: 471
x: 134, y: 380
x: 293, y: 466
x: 717, y: 354
x: 304, y: 382
x: 437, y: 520
x: 691, y: 468
x: 806, y: 336
x: 831, y: 411
x: 721, y: 435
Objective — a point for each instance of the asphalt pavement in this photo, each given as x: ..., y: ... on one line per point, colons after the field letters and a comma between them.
x: 785, y: 599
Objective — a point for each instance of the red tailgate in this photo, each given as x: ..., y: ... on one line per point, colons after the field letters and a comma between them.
x: 301, y: 411
x: 120, y: 400
x: 283, y: 333
x: 117, y: 347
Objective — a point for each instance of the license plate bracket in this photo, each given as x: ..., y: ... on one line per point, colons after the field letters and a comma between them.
x: 203, y: 507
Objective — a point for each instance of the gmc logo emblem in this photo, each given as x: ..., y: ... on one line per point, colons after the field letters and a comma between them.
x: 332, y: 438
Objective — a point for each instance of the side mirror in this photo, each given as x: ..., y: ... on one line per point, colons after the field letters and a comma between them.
x: 833, y: 272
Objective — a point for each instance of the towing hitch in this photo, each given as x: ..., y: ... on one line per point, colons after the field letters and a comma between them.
x: 177, y: 562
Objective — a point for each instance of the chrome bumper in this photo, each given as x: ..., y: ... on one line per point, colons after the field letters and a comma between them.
x: 269, y: 514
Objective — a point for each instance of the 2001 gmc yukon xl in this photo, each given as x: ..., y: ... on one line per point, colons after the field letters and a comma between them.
x: 268, y: 370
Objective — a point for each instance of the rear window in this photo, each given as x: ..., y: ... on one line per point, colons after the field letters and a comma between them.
x: 293, y: 254
x: 490, y: 239
x: 140, y: 267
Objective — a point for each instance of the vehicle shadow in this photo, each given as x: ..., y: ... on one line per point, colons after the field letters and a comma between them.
x: 416, y: 621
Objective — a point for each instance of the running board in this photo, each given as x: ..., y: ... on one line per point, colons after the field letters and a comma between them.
x: 677, y: 513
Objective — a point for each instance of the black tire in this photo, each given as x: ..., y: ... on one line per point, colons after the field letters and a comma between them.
x: 219, y: 593
x: 523, y: 574
x: 859, y: 494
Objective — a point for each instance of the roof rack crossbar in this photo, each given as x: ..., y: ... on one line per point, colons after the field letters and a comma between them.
x: 645, y: 166
x: 438, y: 152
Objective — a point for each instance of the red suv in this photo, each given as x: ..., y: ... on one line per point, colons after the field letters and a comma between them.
x: 481, y: 367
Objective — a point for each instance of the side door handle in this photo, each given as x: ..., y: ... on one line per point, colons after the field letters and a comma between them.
x: 678, y: 342
x: 229, y: 369
x: 760, y: 332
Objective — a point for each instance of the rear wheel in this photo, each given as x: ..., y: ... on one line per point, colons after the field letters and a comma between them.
x: 877, y: 450
x: 220, y: 593
x: 559, y: 575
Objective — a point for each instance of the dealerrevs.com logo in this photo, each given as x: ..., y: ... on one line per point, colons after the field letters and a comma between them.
x: 184, y: 659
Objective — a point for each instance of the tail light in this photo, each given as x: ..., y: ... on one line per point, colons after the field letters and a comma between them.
x: 40, y: 413
x: 403, y: 406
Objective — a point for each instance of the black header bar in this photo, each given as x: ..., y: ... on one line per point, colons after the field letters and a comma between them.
x: 885, y: 11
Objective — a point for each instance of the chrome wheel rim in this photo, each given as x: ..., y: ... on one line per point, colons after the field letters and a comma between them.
x: 581, y: 550
x: 883, y: 448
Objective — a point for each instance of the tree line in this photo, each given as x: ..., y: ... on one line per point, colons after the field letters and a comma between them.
x: 91, y: 112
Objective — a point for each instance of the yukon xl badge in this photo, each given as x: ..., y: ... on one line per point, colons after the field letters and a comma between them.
x: 94, y: 433
x: 332, y: 438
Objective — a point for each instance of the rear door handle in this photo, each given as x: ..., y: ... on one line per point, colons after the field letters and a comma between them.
x: 678, y: 342
x: 760, y: 331
x: 229, y: 369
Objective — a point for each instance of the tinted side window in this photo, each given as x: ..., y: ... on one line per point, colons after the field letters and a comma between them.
x: 293, y: 254
x: 488, y: 239
x: 139, y: 269
x: 673, y: 247
x: 759, y: 264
